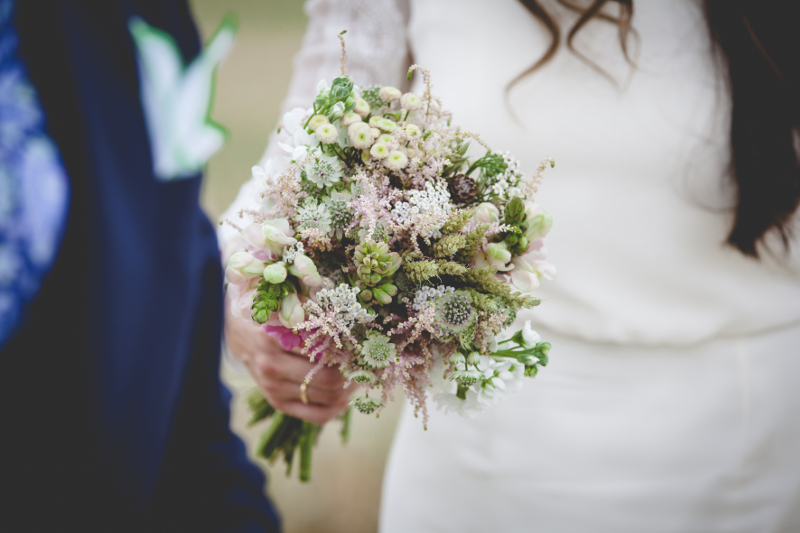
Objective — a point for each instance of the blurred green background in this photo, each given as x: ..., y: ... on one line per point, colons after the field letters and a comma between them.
x: 344, y: 493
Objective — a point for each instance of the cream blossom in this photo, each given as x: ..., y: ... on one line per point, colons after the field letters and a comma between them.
x: 349, y: 118
x: 360, y: 135
x: 486, y: 213
x: 327, y: 133
x: 362, y: 108
x: 530, y: 268
x: 304, y: 269
x: 317, y: 121
x: 494, y: 254
x: 242, y: 267
x: 275, y: 273
x: 396, y: 160
x: 389, y: 94
x: 410, y: 102
x: 379, y: 150
x: 291, y: 313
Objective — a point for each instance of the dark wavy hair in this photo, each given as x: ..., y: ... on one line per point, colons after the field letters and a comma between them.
x: 757, y: 43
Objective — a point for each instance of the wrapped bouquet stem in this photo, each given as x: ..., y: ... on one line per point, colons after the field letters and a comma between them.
x: 396, y: 247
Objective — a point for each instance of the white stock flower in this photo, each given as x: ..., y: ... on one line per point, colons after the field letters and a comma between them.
x: 242, y: 267
x: 529, y: 336
x: 304, y: 269
x: 539, y: 221
x: 275, y: 273
x: 293, y: 120
x: 494, y: 253
x: 291, y: 313
x: 273, y: 236
x: 486, y: 213
x: 529, y: 269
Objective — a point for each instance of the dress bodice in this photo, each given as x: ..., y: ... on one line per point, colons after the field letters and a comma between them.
x: 640, y: 196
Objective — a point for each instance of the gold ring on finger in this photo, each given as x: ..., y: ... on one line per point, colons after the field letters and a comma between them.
x: 304, y: 393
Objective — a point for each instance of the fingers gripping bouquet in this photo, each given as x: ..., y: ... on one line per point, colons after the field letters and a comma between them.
x: 383, y: 249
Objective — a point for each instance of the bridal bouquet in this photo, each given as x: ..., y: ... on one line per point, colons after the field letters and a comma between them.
x: 382, y: 248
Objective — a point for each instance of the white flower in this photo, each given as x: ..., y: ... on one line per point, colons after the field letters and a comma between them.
x: 304, y: 269
x: 539, y: 221
x: 293, y: 120
x: 530, y: 268
x: 385, y: 124
x: 529, y: 336
x: 273, y: 236
x: 275, y: 273
x: 345, y: 300
x: 500, y: 376
x: 362, y: 108
x: 412, y: 130
x: 410, y: 101
x: 486, y: 213
x: 322, y: 86
x: 350, y: 118
x: 291, y: 313
x: 242, y: 267
x: 327, y: 133
x: 360, y: 135
x: 323, y: 171
x: 433, y: 200
x: 317, y: 121
x: 396, y: 160
x: 379, y: 150
x: 385, y: 138
x: 389, y: 94
x: 426, y: 295
x: 495, y: 253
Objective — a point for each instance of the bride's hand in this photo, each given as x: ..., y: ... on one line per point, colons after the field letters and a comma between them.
x: 279, y: 373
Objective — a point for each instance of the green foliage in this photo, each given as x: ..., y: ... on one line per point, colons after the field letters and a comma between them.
x: 491, y: 165
x: 449, y: 245
x: 457, y: 159
x: 421, y: 270
x: 473, y: 240
x: 484, y: 280
x: 267, y: 299
x: 370, y: 94
x: 457, y: 221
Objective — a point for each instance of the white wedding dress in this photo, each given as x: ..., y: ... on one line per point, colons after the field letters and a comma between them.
x: 671, y: 400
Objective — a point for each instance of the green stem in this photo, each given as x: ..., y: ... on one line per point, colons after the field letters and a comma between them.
x: 345, y: 418
x: 308, y: 434
x: 272, y: 437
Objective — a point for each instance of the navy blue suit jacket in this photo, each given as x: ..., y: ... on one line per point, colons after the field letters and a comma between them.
x: 113, y: 415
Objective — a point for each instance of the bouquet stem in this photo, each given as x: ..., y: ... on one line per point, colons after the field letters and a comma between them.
x: 286, y: 434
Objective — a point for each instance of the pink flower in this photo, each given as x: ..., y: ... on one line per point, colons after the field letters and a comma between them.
x: 268, y: 240
x: 288, y: 338
x: 241, y: 297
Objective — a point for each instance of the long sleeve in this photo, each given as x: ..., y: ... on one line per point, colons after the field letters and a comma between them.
x: 377, y: 53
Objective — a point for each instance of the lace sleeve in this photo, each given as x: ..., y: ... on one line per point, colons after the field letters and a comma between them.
x: 377, y: 53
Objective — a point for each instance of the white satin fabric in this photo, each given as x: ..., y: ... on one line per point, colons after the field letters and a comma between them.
x: 670, y: 402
